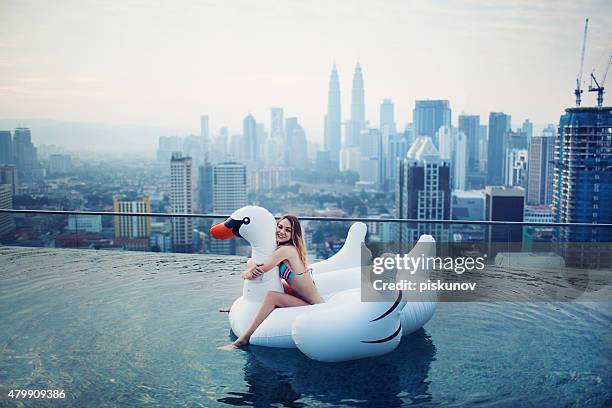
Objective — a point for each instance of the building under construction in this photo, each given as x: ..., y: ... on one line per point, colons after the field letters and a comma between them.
x: 582, y: 190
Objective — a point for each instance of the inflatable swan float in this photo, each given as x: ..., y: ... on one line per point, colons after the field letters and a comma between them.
x: 343, y: 328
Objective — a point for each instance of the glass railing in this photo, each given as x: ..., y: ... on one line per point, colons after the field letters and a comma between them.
x: 189, y: 233
x: 580, y: 245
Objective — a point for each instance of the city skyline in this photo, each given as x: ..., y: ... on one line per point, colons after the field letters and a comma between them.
x: 168, y: 77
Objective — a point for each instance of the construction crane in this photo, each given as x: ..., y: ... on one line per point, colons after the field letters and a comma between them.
x: 599, y: 88
x: 578, y: 91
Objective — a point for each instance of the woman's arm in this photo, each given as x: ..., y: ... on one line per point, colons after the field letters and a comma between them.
x: 277, y: 257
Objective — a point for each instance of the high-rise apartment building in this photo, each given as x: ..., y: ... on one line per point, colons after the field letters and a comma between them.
x: 229, y: 187
x: 132, y: 232
x: 333, y: 119
x: 357, y: 122
x: 181, y: 202
x: 6, y: 147
x: 429, y: 115
x: 499, y: 125
x: 540, y: 170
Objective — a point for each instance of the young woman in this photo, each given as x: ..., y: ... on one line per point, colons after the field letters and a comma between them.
x: 290, y: 257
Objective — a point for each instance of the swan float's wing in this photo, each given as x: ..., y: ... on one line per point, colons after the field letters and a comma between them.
x: 348, y: 329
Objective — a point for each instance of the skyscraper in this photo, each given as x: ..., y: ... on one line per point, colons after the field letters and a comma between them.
x: 181, y: 202
x: 291, y: 124
x: 6, y: 147
x: 423, y: 188
x: 582, y: 181
x: 387, y: 117
x: 229, y: 194
x: 357, y: 122
x: 499, y: 125
x: 370, y: 160
x: 333, y: 119
x: 397, y: 149
x: 429, y: 115
x: 469, y: 125
x: 249, y: 138
x: 277, y: 123
x: 515, y: 167
x: 25, y: 153
x: 205, y: 187
x: 527, y: 128
x: 540, y: 170
x: 205, y: 135
x: 220, y: 145
x: 444, y: 138
x: 460, y: 162
x: 298, y: 155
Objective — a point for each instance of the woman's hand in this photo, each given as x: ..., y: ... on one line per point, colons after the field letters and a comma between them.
x: 256, y: 272
x: 248, y: 274
x: 250, y: 263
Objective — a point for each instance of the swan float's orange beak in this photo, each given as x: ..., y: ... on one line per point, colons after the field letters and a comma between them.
x: 220, y: 231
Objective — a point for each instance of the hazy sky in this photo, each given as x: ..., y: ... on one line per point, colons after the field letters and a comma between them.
x: 164, y: 63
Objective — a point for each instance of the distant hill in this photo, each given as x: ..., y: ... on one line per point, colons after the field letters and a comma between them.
x: 93, y: 136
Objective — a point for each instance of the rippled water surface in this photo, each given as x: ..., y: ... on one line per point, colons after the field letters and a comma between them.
x: 142, y: 329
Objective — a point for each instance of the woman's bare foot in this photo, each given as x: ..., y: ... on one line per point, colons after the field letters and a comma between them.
x: 237, y: 343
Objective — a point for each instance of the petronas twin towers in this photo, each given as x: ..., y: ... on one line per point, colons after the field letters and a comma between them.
x: 333, y: 119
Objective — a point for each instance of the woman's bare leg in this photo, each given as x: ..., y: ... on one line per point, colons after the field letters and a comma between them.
x: 272, y: 300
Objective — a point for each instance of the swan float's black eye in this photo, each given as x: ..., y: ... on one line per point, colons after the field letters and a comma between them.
x: 246, y: 220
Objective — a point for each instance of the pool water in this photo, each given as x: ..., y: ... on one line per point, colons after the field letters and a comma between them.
x: 142, y: 329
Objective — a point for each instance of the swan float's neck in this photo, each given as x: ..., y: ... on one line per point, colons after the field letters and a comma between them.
x: 256, y: 289
x: 262, y: 252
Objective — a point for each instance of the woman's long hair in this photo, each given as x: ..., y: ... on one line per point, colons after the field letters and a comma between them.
x: 297, y: 238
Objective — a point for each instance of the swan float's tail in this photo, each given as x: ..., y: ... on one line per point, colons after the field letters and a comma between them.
x: 349, y: 256
x: 349, y: 329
